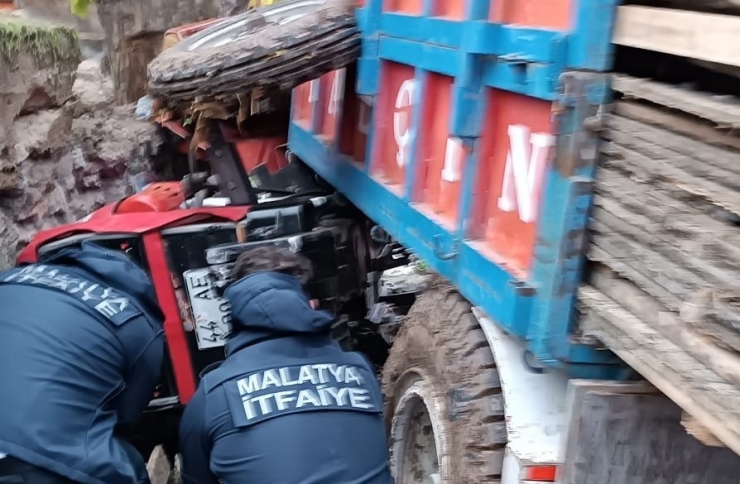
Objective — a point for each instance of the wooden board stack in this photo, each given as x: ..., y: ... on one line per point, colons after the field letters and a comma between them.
x: 705, y: 37
x: 664, y: 284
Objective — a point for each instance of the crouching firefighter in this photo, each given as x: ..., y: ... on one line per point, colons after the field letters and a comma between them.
x: 287, y: 405
x: 81, y: 348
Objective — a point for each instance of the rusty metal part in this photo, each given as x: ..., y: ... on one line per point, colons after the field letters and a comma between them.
x: 233, y: 181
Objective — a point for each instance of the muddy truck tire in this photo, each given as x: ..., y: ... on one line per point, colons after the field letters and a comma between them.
x: 270, y: 49
x: 444, y: 408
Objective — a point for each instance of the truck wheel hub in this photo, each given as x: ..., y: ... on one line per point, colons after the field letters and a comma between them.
x: 415, y: 438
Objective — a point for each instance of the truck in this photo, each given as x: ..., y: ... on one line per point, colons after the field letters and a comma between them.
x: 523, y: 212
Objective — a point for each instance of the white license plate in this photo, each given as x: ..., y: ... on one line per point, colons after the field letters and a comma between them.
x: 211, y: 314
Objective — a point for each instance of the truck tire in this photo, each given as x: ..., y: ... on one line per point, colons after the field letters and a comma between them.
x: 274, y: 48
x: 444, y: 409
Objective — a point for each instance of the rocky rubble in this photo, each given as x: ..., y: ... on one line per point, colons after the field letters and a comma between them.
x: 65, y: 150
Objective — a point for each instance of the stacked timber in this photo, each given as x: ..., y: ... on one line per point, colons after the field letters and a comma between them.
x: 663, y: 287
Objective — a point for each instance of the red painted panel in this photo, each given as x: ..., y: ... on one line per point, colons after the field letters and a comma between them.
x: 355, y: 124
x: 332, y: 100
x: 452, y: 9
x: 182, y: 32
x: 441, y: 157
x: 546, y: 14
x: 393, y: 130
x: 156, y: 197
x: 302, y: 113
x: 516, y: 148
x: 411, y: 7
x: 262, y: 151
x: 174, y: 331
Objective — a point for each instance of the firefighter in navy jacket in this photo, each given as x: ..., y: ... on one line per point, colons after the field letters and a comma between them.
x: 287, y: 406
x: 81, y: 348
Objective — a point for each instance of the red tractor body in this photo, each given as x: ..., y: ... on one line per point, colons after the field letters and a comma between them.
x: 154, y: 239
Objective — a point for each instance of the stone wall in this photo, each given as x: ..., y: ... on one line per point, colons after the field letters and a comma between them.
x: 134, y: 31
x: 64, y: 149
x: 89, y: 30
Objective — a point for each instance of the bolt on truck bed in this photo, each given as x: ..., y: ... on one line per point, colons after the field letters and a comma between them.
x: 480, y: 135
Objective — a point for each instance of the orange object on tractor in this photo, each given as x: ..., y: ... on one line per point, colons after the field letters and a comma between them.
x: 156, y: 197
x: 176, y: 34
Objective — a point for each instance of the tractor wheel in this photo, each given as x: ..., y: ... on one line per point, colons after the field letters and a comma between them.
x: 274, y: 48
x: 444, y: 408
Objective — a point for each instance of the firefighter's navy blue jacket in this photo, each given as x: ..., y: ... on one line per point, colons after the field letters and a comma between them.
x: 81, y: 347
x: 287, y: 406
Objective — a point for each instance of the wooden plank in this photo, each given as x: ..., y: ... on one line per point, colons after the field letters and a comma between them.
x: 673, y: 245
x: 724, y: 363
x: 686, y: 381
x: 703, y: 36
x: 724, y: 111
x: 684, y: 125
x: 241, y: 232
x: 731, y: 7
x: 699, y: 432
x: 624, y: 433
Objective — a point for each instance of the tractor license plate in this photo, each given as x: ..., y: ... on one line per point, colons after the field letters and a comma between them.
x: 211, y: 314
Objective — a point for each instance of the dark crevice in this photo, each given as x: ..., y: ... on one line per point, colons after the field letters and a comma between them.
x: 674, y: 70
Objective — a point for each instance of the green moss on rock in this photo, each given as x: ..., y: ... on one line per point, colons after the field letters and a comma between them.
x: 46, y: 43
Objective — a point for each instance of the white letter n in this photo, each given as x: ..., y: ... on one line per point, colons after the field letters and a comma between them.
x: 524, y: 172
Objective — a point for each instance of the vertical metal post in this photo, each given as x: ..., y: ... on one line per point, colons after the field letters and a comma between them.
x: 590, y: 45
x: 583, y: 97
x: 368, y: 64
x: 417, y: 108
x: 467, y: 114
x: 567, y: 198
x: 368, y: 67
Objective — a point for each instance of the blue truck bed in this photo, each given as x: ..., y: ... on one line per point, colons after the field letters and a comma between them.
x: 469, y: 132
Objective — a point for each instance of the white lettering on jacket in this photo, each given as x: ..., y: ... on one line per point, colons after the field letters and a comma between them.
x: 306, y: 387
x: 104, y: 299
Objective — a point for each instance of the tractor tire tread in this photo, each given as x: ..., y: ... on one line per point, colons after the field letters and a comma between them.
x: 442, y: 338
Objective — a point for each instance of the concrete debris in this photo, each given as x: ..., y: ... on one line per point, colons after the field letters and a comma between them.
x: 158, y: 466
x: 38, y: 77
x: 116, y: 139
x: 42, y: 132
x: 227, y: 8
x: 93, y: 90
x: 10, y: 180
x: 8, y: 240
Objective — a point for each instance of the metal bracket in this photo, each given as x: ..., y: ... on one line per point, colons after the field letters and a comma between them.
x: 225, y: 164
x: 439, y: 254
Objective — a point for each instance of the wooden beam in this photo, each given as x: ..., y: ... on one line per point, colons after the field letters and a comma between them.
x: 698, y: 431
x: 723, y: 111
x: 683, y: 125
x: 241, y: 232
x: 703, y: 36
